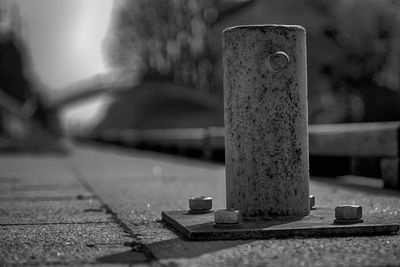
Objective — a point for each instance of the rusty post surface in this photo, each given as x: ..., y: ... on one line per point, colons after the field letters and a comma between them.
x: 265, y: 101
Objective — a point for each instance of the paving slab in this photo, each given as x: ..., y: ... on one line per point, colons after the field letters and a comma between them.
x: 23, y: 185
x: 148, y: 183
x: 31, y: 179
x: 37, y: 195
x: 41, y: 212
x: 16, y: 187
x: 72, y: 244
x: 35, y: 170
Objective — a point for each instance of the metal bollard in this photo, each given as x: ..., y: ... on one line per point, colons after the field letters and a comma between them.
x: 265, y: 101
x: 266, y: 146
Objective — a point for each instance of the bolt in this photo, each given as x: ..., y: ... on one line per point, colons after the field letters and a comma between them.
x: 348, y: 214
x: 226, y: 217
x: 200, y: 204
x: 312, y: 201
x: 277, y: 61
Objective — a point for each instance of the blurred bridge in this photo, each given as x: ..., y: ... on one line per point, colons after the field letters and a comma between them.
x: 32, y: 123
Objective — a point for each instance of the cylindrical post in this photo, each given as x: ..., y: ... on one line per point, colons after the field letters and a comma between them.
x: 266, y: 139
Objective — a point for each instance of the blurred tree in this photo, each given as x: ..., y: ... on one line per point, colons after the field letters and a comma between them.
x: 163, y: 39
x: 365, y: 32
x: 26, y: 121
x: 353, y: 48
x: 364, y: 39
x: 167, y: 39
x: 18, y: 83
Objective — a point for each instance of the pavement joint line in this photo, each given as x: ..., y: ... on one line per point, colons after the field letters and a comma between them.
x: 52, y: 198
x: 54, y: 223
x: 39, y: 187
x: 135, y: 246
x: 54, y: 263
x: 81, y: 180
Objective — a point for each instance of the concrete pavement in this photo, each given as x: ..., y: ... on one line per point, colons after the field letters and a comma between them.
x: 102, y: 205
x: 49, y: 217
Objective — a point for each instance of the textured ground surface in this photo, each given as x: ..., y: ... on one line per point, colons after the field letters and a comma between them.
x: 102, y: 206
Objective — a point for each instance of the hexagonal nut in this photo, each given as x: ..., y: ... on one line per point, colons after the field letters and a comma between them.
x: 228, y: 216
x: 312, y: 201
x: 348, y: 212
x: 201, y: 203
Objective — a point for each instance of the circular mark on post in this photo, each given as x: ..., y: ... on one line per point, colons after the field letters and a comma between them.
x: 277, y: 61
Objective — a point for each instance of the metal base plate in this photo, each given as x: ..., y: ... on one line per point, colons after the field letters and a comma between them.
x: 318, y: 223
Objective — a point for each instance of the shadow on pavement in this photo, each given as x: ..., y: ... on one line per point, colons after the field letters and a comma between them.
x: 178, y: 248
x: 171, y: 249
x: 131, y: 257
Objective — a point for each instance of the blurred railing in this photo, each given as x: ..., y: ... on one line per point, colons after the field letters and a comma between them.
x: 331, y: 146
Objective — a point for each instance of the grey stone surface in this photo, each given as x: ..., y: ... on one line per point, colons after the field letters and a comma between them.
x: 31, y: 178
x: 35, y: 170
x: 47, y: 217
x: 45, y: 194
x: 134, y: 188
x: 72, y: 244
x: 18, y: 186
x: 37, y: 212
x: 129, y: 196
x: 127, y: 181
x: 265, y: 108
x: 373, y: 251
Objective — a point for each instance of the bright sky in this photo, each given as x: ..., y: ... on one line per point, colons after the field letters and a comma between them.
x: 65, y: 37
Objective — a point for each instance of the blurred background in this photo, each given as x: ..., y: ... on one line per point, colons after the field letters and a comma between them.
x: 82, y: 67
